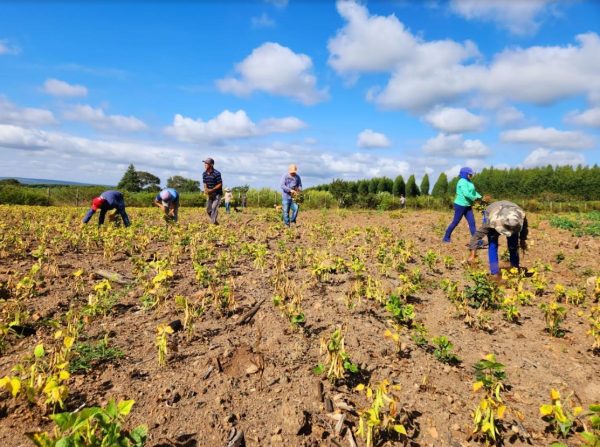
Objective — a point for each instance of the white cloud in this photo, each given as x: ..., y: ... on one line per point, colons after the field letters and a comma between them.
x: 520, y: 17
x: 229, y: 125
x: 590, y: 117
x: 548, y: 137
x: 56, y: 87
x: 455, y: 146
x: 16, y: 137
x: 545, y: 157
x: 262, y: 21
x: 7, y: 48
x: 428, y: 73
x: 509, y: 115
x: 454, y: 120
x: 99, y: 120
x: 372, y: 140
x: 11, y: 114
x: 277, y: 70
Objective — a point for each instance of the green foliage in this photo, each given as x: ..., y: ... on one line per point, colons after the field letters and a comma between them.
x: 89, y: 355
x: 484, y: 293
x: 443, y: 350
x: 403, y: 313
x: 399, y: 187
x: 130, y: 180
x: 18, y: 195
x: 425, y: 185
x: 182, y: 184
x: 92, y: 427
x: 440, y: 189
x: 412, y: 190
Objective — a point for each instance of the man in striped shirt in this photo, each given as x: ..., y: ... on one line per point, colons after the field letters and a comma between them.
x: 213, y: 188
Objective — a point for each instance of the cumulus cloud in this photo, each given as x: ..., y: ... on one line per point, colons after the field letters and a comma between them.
x: 589, y: 118
x: 228, y: 126
x: 548, y: 137
x: 56, y: 87
x: 372, y: 140
x: 262, y: 21
x: 7, y: 48
x: 428, y: 73
x: 509, y: 115
x: 520, y: 17
x: 99, y: 120
x: 544, y: 157
x: 454, y: 120
x: 277, y: 70
x: 455, y: 146
x: 12, y: 114
x: 17, y: 137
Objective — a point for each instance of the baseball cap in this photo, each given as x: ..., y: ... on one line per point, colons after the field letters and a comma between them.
x: 97, y: 203
x: 165, y: 195
x: 292, y: 168
x: 209, y: 160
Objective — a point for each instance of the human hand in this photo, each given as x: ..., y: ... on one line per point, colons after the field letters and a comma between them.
x: 172, y: 213
x: 487, y: 198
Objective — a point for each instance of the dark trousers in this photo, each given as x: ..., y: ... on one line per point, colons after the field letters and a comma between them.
x: 513, y: 251
x: 459, y: 212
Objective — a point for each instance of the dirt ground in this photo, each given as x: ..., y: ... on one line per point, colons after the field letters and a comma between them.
x: 257, y: 376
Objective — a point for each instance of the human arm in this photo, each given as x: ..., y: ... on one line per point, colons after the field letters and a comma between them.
x: 102, y: 216
x: 467, y: 190
x: 284, y: 187
x: 524, y: 234
x: 299, y: 186
x: 88, y: 216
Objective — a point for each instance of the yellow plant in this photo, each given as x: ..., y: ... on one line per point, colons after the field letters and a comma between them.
x: 560, y: 418
x: 162, y: 333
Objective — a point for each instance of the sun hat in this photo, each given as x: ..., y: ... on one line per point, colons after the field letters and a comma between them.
x: 292, y: 168
x: 165, y: 195
x: 209, y: 160
x: 97, y: 203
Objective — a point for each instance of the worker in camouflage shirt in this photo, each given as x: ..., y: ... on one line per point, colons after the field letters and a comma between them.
x: 501, y: 218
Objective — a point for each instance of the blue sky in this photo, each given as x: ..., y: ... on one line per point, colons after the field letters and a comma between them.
x: 344, y: 89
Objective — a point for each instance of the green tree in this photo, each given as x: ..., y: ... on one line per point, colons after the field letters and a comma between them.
x: 425, y: 185
x: 147, y: 181
x: 130, y: 180
x: 373, y: 184
x: 440, y: 189
x: 399, y: 187
x: 183, y: 184
x: 340, y: 190
x: 363, y: 187
x: 412, y: 190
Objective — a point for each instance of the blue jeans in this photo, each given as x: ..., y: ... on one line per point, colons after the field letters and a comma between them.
x: 513, y: 251
x: 459, y: 212
x: 227, y: 207
x: 287, y: 205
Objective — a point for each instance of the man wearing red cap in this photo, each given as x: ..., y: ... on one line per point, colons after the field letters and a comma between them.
x: 108, y: 200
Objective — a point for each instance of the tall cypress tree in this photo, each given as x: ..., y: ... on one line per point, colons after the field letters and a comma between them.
x: 412, y: 190
x: 130, y: 180
x: 440, y: 189
x: 425, y: 185
x: 399, y: 187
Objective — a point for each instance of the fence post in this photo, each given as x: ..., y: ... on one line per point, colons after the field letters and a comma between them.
x: 77, y: 197
x: 48, y: 192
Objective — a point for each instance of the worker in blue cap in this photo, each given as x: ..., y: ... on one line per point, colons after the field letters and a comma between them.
x: 466, y: 194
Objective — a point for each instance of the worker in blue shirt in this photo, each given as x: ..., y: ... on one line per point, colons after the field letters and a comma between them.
x: 108, y: 200
x: 291, y: 187
x: 168, y: 201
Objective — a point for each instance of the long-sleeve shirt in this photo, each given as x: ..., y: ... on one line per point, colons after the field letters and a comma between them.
x: 228, y: 196
x: 502, y: 217
x: 466, y: 193
x: 290, y: 182
x: 112, y: 200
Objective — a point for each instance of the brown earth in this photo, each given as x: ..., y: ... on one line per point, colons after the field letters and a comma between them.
x: 257, y: 377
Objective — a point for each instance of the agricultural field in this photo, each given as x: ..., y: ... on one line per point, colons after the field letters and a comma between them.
x: 352, y: 328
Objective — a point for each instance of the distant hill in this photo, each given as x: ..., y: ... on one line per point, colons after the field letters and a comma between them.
x: 43, y: 181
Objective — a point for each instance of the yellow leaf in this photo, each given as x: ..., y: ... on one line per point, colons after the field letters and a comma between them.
x: 387, y: 333
x: 64, y: 375
x: 500, y: 412
x: 477, y: 386
x: 545, y: 410
x: 554, y: 395
x: 369, y: 393
x: 577, y: 411
x: 68, y: 342
x: 58, y: 334
x: 400, y: 429
x: 360, y: 387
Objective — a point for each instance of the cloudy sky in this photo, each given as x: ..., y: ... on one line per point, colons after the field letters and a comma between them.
x: 345, y: 90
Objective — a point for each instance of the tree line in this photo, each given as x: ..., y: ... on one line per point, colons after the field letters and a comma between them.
x: 561, y: 183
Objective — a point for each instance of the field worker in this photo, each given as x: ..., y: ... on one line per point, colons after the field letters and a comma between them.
x: 244, y: 200
x: 228, y: 197
x: 465, y: 196
x: 402, y: 201
x: 108, y: 200
x: 504, y: 218
x: 291, y: 185
x: 168, y: 201
x: 213, y: 188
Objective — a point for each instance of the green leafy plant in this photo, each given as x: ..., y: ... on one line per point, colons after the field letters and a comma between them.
x: 419, y: 335
x: 92, y: 427
x: 403, y: 313
x: 484, y: 293
x: 88, y: 355
x: 443, y: 350
x: 337, y: 359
